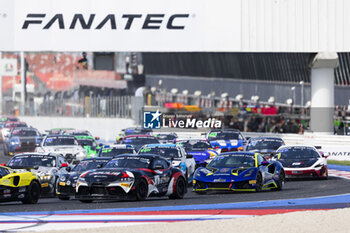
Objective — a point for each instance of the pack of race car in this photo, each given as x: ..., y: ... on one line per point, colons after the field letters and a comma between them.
x: 69, y: 163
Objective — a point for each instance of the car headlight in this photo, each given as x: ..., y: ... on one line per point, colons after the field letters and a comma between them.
x: 45, y: 177
x: 127, y: 179
x: 249, y: 173
x: 63, y: 178
x: 319, y: 165
x: 81, y: 179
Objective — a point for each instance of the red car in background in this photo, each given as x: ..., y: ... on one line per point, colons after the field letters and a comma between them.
x: 5, y: 131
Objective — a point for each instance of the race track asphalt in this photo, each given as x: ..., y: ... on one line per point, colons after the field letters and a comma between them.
x: 292, y: 189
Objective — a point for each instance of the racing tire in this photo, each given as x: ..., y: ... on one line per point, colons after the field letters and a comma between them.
x: 33, y: 193
x: 64, y: 198
x: 259, y: 182
x: 180, y: 189
x: 281, y: 181
x: 86, y: 201
x: 142, y: 190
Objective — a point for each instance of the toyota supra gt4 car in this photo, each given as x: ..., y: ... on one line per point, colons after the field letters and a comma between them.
x: 66, y: 182
x: 302, y: 161
x: 239, y: 171
x: 132, y: 176
x: 18, y: 186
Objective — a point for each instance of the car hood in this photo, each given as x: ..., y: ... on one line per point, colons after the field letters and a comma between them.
x: 223, y: 174
x: 297, y: 163
x: 226, y: 143
x: 71, y: 149
x: 106, y: 176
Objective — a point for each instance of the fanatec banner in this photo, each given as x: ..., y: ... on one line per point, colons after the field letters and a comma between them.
x: 116, y: 25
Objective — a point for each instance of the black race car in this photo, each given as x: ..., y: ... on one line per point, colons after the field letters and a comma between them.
x: 66, y: 183
x: 132, y: 176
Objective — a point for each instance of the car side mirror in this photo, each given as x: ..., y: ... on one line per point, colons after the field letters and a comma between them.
x: 97, y: 138
x: 158, y: 167
x: 68, y: 169
x: 188, y: 156
x: 64, y: 165
x: 36, y: 167
x: 100, y: 144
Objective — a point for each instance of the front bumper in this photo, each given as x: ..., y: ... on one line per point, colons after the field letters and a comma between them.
x: 245, y: 186
x: 306, y: 172
x: 65, y: 190
x: 101, y: 192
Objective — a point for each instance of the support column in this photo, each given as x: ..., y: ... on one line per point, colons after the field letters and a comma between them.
x: 322, y: 92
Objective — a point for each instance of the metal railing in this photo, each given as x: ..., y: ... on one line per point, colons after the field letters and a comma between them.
x: 106, y: 106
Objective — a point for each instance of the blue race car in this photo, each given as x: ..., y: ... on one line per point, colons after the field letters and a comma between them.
x: 226, y: 140
x: 239, y: 171
x: 200, y: 149
x: 22, y: 140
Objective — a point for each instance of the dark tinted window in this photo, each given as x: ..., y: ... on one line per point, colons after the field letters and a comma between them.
x: 233, y: 161
x: 129, y: 162
x: 298, y: 153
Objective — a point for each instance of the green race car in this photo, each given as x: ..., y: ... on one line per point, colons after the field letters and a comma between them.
x: 89, y: 144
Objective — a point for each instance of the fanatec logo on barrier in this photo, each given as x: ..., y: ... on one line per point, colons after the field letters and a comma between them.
x: 155, y: 120
x: 89, y: 22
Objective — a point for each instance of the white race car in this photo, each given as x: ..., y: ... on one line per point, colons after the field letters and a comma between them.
x: 65, y: 145
x: 176, y: 154
x: 302, y: 161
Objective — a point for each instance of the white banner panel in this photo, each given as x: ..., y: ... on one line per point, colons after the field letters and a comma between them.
x: 8, y: 67
x: 336, y: 152
x: 117, y: 25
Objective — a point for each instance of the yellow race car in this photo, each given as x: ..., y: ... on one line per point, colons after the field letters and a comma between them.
x: 18, y: 186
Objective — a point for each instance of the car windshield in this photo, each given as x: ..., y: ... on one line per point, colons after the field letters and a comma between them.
x: 264, y: 144
x: 166, y: 152
x: 86, y: 142
x: 233, y: 161
x: 89, y: 165
x: 223, y: 136
x: 60, y: 141
x: 24, y: 133
x: 3, y: 172
x: 33, y: 160
x: 129, y: 162
x: 298, y: 153
x: 195, y: 145
x: 116, y: 151
x: 140, y: 141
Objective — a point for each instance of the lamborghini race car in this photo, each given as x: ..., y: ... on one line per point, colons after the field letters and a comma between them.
x: 174, y: 153
x: 66, y: 182
x: 239, y: 171
x: 226, y: 140
x: 47, y: 166
x: 18, y: 186
x: 200, y: 149
x: 302, y: 161
x: 132, y: 176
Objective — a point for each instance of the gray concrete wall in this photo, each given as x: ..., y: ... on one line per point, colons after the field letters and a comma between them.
x: 281, y: 91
